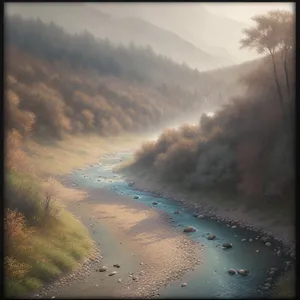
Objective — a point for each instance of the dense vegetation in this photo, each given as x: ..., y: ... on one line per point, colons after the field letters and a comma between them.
x: 65, y: 84
x: 248, y: 146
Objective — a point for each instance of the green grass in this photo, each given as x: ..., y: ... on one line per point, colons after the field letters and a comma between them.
x: 55, y: 248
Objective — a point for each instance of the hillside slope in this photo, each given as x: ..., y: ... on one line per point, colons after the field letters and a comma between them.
x: 78, y: 17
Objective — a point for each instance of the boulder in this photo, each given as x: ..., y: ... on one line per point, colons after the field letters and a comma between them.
x: 154, y: 203
x: 102, y: 269
x: 211, y: 237
x: 136, y: 197
x: 176, y: 212
x: 227, y: 245
x: 116, y: 266
x: 200, y: 217
x: 243, y: 272
x: 268, y: 244
x: 189, y: 229
x: 231, y: 272
x: 184, y: 284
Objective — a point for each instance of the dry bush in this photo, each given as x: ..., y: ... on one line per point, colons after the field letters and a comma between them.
x: 51, y: 190
x: 15, y: 158
x: 14, y: 269
x: 18, y: 237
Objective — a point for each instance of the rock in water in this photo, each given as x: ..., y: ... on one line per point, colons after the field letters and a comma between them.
x: 176, y: 212
x: 231, y: 272
x: 154, y: 203
x: 134, y: 278
x: 243, y: 272
x: 189, y: 229
x: 200, y: 217
x: 136, y: 197
x: 112, y: 273
x: 227, y: 245
x: 211, y: 236
x: 102, y: 269
x: 116, y: 266
x: 243, y: 240
x: 268, y: 244
x: 184, y: 284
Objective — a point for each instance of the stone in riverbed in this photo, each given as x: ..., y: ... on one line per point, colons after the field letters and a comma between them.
x: 270, y: 280
x: 231, y: 272
x: 243, y: 272
x: 200, y: 217
x: 184, y: 284
x: 211, y: 237
x: 135, y: 278
x: 116, y: 266
x: 189, y: 229
x: 243, y: 240
x: 154, y: 203
x: 268, y: 244
x: 176, y: 212
x: 136, y: 197
x: 233, y: 227
x: 227, y: 245
x: 112, y: 273
x: 102, y: 269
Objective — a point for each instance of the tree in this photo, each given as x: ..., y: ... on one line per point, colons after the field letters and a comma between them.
x: 272, y: 34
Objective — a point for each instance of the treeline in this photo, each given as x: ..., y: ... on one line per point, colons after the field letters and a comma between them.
x: 247, y: 147
x: 53, y: 99
x: 51, y: 42
x: 76, y: 83
x: 57, y: 84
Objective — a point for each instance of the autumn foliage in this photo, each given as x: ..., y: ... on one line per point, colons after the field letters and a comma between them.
x: 246, y: 145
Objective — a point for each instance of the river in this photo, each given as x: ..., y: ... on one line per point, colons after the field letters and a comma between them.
x: 210, y: 278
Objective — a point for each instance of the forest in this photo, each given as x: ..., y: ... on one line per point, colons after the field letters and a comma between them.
x: 247, y: 147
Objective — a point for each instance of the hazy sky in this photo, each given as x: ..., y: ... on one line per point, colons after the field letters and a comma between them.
x: 244, y: 11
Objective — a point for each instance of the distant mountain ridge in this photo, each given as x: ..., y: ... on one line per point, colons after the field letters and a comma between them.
x: 122, y: 30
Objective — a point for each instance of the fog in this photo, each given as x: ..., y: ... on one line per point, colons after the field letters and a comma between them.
x: 202, y: 35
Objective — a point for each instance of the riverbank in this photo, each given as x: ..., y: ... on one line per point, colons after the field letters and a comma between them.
x: 56, y: 249
x: 214, y: 206
x: 139, y: 239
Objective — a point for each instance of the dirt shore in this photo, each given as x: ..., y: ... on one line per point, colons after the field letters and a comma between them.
x: 141, y: 240
x: 213, y: 207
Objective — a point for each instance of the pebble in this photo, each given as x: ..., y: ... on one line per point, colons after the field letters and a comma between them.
x: 243, y: 272
x: 268, y: 244
x: 184, y: 284
x: 112, y: 273
x: 211, y: 236
x: 231, y: 272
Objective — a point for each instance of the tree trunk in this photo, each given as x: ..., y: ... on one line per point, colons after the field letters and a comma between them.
x: 277, y: 84
x: 286, y: 74
x: 291, y: 104
x: 285, y: 121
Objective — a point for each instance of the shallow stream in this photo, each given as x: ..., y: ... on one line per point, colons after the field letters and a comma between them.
x: 210, y: 278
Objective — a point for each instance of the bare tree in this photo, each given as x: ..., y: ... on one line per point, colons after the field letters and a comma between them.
x: 272, y: 34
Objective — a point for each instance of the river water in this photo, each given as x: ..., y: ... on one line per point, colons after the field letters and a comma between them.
x: 209, y: 279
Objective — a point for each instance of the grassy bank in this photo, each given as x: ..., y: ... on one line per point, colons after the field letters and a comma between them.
x: 43, y: 240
